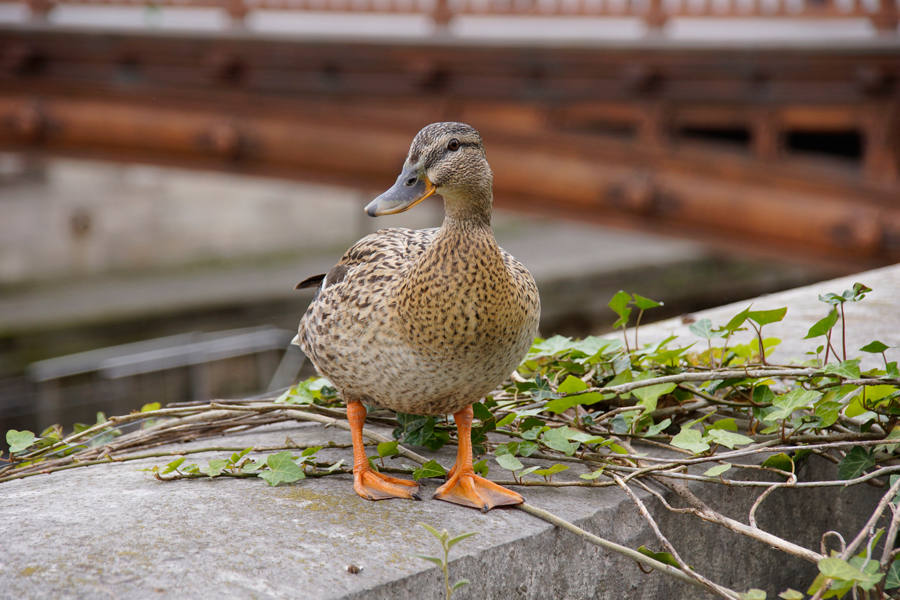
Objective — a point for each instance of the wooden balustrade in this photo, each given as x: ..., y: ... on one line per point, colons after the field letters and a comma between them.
x: 884, y: 14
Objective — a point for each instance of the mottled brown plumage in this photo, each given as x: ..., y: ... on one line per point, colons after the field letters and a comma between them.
x: 425, y: 321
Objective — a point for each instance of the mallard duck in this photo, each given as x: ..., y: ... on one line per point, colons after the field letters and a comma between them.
x: 425, y: 321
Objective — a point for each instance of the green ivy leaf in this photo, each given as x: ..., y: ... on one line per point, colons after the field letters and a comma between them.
x: 569, y: 386
x: 841, y: 570
x: 481, y: 467
x: 551, y: 471
x: 786, y: 404
x: 558, y: 440
x: 215, y: 467
x: 542, y: 390
x: 891, y: 370
x: 19, y: 440
x: 591, y: 346
x: 386, y: 449
x: 594, y: 475
x: 150, y: 407
x: 892, y: 436
x: 552, y: 346
x: 301, y: 394
x: 644, y: 303
x: 664, y: 557
x: 828, y: 411
x: 282, y: 469
x: 790, y: 594
x: 848, y: 369
x: 655, y: 429
x: 726, y: 424
x: 172, y: 466
x: 335, y: 466
x: 832, y: 299
x: 532, y: 433
x: 875, y: 347
x: 650, y: 394
x: 430, y: 469
x: 510, y: 462
x: 525, y: 472
x: 527, y: 448
x: 764, y: 317
x: 619, y: 304
x: 691, y: 440
x: 237, y: 456
x: 717, y: 470
x: 506, y: 420
x: 753, y: 594
x: 415, y: 430
x: 780, y: 461
x: 703, y: 329
x: 737, y: 320
x: 254, y: 466
x: 729, y: 439
x: 893, y: 576
x: 855, y: 463
x: 508, y: 448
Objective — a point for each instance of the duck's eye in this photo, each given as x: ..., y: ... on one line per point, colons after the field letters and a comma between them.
x: 453, y: 145
x: 411, y: 181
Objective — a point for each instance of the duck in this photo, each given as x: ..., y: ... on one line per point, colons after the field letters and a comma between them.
x: 428, y: 321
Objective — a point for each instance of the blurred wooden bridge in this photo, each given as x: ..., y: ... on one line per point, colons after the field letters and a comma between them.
x: 882, y: 13
x: 781, y: 148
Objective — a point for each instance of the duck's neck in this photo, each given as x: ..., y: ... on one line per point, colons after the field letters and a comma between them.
x: 467, y: 213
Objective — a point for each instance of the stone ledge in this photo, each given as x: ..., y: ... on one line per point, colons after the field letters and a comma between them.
x: 113, y: 531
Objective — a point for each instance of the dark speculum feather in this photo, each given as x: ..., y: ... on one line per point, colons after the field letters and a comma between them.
x: 309, y: 282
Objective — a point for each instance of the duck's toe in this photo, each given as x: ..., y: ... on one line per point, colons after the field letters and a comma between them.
x: 372, y: 485
x: 468, y: 489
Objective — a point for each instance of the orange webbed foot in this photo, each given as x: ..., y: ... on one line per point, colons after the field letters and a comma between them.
x: 372, y: 485
x: 468, y: 489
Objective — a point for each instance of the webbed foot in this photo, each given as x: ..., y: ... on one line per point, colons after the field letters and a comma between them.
x: 469, y: 489
x: 372, y: 485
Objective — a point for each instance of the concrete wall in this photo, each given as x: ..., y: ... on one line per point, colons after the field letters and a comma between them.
x: 68, y: 218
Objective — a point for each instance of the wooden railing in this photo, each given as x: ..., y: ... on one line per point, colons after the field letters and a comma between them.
x: 884, y: 14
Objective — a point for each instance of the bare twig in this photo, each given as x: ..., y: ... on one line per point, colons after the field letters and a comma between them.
x: 721, y: 591
x: 823, y: 543
x: 703, y: 511
x: 614, y: 547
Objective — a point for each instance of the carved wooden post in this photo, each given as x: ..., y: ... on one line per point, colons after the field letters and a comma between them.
x: 656, y: 18
x: 40, y: 9
x: 886, y: 18
x: 766, y: 141
x: 442, y: 15
x: 654, y: 127
x: 237, y: 10
x: 880, y: 151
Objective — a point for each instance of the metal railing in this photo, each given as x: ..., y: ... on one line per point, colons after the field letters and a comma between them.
x: 884, y: 14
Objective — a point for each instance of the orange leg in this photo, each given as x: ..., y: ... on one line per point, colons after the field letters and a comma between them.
x: 370, y: 484
x: 464, y: 486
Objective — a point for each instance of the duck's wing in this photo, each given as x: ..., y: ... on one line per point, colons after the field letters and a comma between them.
x: 362, y: 274
x: 526, y: 288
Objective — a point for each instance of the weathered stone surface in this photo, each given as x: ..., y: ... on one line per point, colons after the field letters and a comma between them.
x: 114, y: 531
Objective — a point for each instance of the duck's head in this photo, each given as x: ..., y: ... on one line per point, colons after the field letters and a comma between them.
x: 446, y: 159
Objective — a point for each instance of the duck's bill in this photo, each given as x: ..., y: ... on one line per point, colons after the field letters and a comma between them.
x: 411, y: 188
